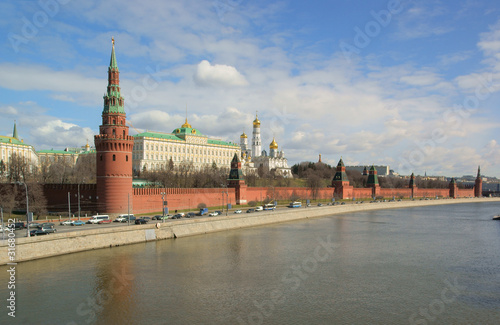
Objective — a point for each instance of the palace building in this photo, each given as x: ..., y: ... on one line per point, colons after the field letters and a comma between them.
x: 155, y: 150
x: 11, y: 146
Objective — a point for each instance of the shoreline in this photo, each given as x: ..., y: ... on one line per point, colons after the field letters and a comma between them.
x: 27, y: 249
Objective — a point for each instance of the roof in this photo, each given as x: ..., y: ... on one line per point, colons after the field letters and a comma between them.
x: 222, y: 143
x: 55, y: 151
x: 158, y: 135
x: 12, y: 140
x: 184, y: 130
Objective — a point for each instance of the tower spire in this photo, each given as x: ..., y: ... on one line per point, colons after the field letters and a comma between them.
x: 112, y: 61
x: 14, y: 133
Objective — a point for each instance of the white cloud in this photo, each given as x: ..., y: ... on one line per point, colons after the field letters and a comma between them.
x: 59, y: 133
x: 218, y: 75
x: 8, y: 110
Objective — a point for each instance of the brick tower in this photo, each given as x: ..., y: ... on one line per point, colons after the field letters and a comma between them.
x: 236, y: 181
x: 113, y: 149
x: 340, y: 182
x: 478, y: 185
x: 372, y: 181
x: 413, y: 185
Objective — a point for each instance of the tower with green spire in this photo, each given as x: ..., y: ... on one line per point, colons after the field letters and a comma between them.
x: 478, y: 184
x: 113, y: 149
x: 14, y: 133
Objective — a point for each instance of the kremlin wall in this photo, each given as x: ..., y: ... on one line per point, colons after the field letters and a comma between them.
x: 113, y: 192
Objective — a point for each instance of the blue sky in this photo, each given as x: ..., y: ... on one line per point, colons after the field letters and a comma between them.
x: 406, y: 83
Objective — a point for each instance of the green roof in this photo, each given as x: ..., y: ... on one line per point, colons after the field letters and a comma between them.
x: 221, y: 143
x: 55, y: 151
x: 12, y: 140
x: 188, y: 131
x: 158, y: 135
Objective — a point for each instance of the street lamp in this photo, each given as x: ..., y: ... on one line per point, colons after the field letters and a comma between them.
x: 163, y: 206
x: 27, y: 209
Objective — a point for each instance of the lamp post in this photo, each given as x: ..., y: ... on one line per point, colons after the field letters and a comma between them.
x: 27, y: 210
x: 163, y: 206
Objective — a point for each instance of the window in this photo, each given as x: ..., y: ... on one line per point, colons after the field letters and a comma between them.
x: 126, y: 158
x: 100, y: 157
x: 114, y: 157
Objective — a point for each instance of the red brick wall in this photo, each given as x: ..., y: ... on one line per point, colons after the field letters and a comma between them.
x: 148, y: 200
x: 432, y: 192
x: 469, y: 192
x: 362, y: 193
x: 395, y: 192
x: 57, y: 197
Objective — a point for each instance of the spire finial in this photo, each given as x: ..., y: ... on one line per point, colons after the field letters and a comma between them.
x: 113, y: 40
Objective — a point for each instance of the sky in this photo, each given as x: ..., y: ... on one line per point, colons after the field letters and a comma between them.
x: 410, y: 84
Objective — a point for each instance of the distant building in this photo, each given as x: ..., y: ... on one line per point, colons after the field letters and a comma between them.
x: 381, y: 170
x: 275, y: 161
x: 10, y: 146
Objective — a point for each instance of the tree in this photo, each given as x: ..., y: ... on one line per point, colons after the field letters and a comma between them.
x: 8, y: 194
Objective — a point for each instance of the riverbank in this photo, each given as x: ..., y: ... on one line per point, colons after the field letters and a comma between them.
x: 26, y: 249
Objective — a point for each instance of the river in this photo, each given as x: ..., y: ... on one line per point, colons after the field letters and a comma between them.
x: 425, y: 265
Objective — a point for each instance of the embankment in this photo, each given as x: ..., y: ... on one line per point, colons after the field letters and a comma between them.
x: 26, y: 249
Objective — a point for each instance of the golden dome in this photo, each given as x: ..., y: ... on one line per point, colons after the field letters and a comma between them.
x: 186, y: 125
x: 273, y: 145
x: 256, y: 122
x: 243, y: 135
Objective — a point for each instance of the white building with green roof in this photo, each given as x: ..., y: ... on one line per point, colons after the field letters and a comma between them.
x: 10, y: 146
x: 154, y: 150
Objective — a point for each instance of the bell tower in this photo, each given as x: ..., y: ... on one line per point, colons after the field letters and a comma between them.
x: 113, y: 149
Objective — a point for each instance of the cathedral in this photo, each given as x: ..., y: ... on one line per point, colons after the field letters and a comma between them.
x: 254, y: 158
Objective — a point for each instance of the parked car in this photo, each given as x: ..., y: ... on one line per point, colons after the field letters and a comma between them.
x: 78, y: 223
x: 38, y: 232
x: 34, y: 225
x: 47, y: 225
x: 48, y: 229
x: 257, y: 209
x: 158, y: 217
x: 237, y: 211
x: 177, y: 216
x: 19, y: 225
x: 67, y: 222
x: 320, y: 204
x: 123, y: 218
x: 190, y: 215
x: 105, y: 221
x: 219, y: 213
x: 250, y: 210
x: 141, y: 221
x: 131, y: 217
x: 213, y: 214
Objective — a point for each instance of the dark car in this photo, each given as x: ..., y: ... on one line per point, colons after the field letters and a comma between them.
x: 132, y: 219
x: 141, y: 221
x: 47, y: 225
x: 38, y: 232
x: 19, y: 225
x: 177, y: 216
x: 158, y: 217
x: 219, y: 212
x: 190, y: 215
x: 250, y: 210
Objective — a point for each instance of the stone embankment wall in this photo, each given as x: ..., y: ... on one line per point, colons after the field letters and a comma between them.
x: 64, y: 243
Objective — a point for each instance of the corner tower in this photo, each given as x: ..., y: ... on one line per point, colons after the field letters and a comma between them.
x: 478, y: 184
x: 113, y: 149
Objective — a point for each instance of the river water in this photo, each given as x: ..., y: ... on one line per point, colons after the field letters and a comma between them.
x: 426, y: 265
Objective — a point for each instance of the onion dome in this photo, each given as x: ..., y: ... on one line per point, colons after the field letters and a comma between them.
x: 186, y: 125
x: 243, y: 136
x: 273, y: 145
x: 256, y: 122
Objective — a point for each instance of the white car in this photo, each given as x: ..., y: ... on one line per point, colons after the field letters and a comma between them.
x: 237, y: 211
x: 259, y: 209
x: 67, y: 223
x: 213, y: 214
